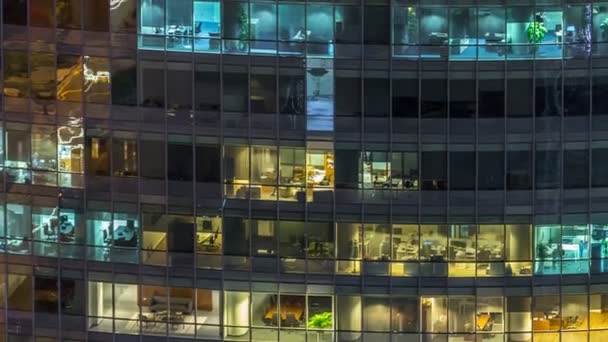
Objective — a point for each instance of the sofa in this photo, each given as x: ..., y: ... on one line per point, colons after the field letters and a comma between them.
x: 178, y: 304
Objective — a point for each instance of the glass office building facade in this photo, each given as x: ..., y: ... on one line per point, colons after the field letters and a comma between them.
x: 409, y: 170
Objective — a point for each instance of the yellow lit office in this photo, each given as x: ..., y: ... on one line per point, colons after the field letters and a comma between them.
x: 131, y: 308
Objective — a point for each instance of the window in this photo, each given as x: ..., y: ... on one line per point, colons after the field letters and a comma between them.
x: 16, y: 73
x: 404, y: 170
x: 235, y: 27
x: 348, y: 24
x: 518, y: 250
x: 263, y: 26
x: 491, y: 93
x: 179, y: 86
x: 491, y: 33
x: 124, y: 154
x: 152, y: 156
x: 206, y: 87
x: 434, y: 313
x: 96, y: 79
x: 236, y: 171
x: 98, y: 154
x: 434, y: 95
x: 519, y: 167
x: 123, y: 17
x: 406, y: 28
x: 69, y: 14
x: 320, y: 94
x: 124, y: 82
x: 462, y: 169
x: 262, y: 90
x: 43, y: 75
x: 462, y: 94
x: 207, y: 25
x: 235, y: 88
x: 179, y: 159
x: 519, y: 90
x: 208, y: 163
x: 69, y: 75
x: 96, y: 16
x: 490, y: 170
x: 405, y: 94
x: 599, y: 164
x: 292, y: 171
x: 320, y: 165
x: 434, y: 168
x: 264, y: 172
x: 376, y: 89
x: 576, y: 168
x: 15, y: 12
x: 152, y: 80
x: 348, y: 91
x: 548, y: 170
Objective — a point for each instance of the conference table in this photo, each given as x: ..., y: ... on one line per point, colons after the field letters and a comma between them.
x: 296, y: 310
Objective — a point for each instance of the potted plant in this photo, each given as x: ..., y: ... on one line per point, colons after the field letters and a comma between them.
x: 321, y: 321
x: 536, y: 32
x: 243, y: 29
x: 412, y: 25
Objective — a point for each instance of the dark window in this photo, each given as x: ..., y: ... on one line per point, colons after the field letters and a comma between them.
x: 68, y: 14
x: 576, y: 169
x: 434, y: 95
x: 263, y: 90
x: 348, y: 24
x: 208, y: 164
x: 491, y: 96
x: 405, y: 94
x: 152, y: 158
x: 206, y: 87
x: 347, y: 168
x: 462, y: 96
x: 519, y: 169
x: 491, y: 170
x: 96, y: 16
x: 42, y: 13
x: 236, y: 235
x: 547, y: 169
x: 376, y: 90
x: 152, y: 84
x: 519, y: 94
x: 548, y: 93
x: 462, y: 170
x: 179, y: 162
x: 377, y: 17
x: 179, y: 86
x: 15, y: 12
x: 235, y: 89
x: 599, y: 171
x: 348, y: 92
x: 124, y: 82
x: 600, y: 91
x: 576, y: 93
x: 434, y: 170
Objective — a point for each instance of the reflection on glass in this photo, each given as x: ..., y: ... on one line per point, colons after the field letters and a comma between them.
x: 320, y: 95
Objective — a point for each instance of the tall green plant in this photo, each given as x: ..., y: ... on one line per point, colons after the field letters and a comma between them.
x: 412, y: 23
x: 244, y: 25
x: 536, y: 32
